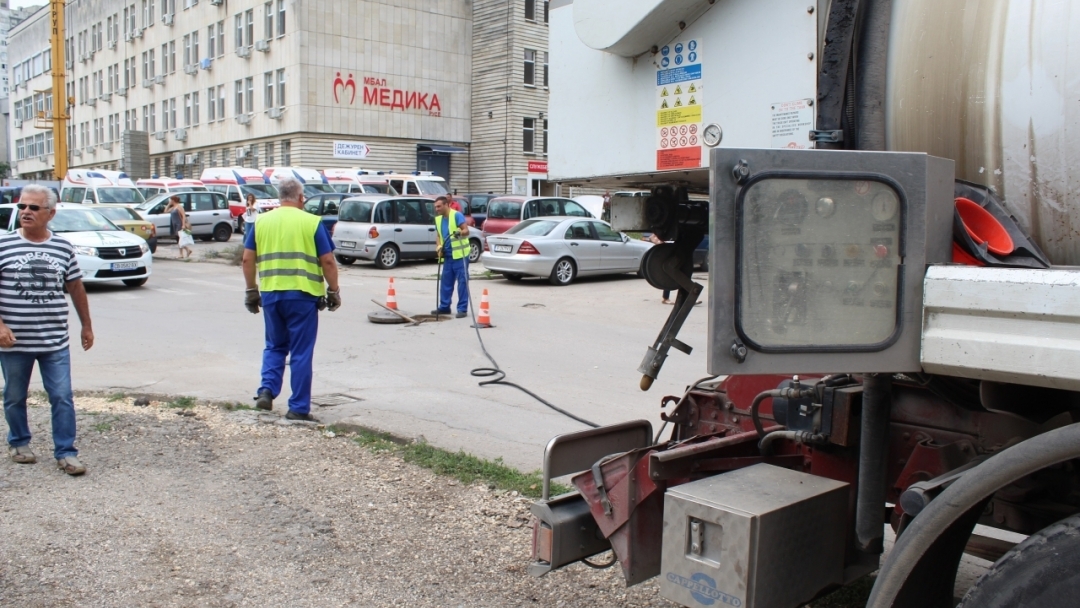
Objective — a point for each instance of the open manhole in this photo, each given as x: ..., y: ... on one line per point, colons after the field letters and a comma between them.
x: 334, y: 399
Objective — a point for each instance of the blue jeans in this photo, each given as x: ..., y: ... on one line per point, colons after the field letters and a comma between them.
x: 55, y: 368
x: 454, y: 272
x: 291, y: 328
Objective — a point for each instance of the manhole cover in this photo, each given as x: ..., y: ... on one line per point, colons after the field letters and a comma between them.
x: 334, y: 399
x: 532, y: 305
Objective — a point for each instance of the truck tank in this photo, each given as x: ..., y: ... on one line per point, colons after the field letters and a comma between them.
x: 989, y: 85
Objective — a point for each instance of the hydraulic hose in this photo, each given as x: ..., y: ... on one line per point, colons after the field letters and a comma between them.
x: 776, y: 392
x: 765, y: 445
x: 1000, y: 470
x: 873, y: 455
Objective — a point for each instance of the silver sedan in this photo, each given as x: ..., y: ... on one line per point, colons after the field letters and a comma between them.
x: 561, y: 249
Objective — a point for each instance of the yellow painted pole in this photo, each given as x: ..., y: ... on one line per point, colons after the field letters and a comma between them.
x: 59, y: 90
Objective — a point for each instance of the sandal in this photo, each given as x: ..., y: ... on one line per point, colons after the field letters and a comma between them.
x: 71, y: 465
x: 22, y: 454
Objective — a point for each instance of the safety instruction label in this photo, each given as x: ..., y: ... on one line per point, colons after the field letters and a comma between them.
x: 679, y: 98
x: 791, y: 123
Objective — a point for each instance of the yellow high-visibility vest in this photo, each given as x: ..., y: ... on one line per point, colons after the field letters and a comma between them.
x: 459, y: 248
x: 285, y: 253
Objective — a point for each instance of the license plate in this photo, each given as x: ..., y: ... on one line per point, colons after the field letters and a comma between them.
x: 348, y: 244
x: 502, y: 248
x: 125, y: 265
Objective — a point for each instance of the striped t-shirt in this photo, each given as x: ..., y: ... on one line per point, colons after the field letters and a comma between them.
x: 32, y: 302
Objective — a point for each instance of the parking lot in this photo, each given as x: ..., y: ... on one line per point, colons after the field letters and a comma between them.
x: 186, y: 332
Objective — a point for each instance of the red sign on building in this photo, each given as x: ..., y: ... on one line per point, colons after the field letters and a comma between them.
x: 537, y: 166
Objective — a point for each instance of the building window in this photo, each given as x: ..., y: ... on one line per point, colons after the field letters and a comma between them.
x: 530, y: 67
x: 211, y: 42
x: 187, y: 110
x: 168, y: 7
x: 211, y: 111
x: 172, y: 113
x: 280, y: 17
x: 546, y: 7
x: 269, y: 160
x: 212, y: 162
x: 195, y: 108
x: 238, y: 21
x: 249, y: 83
x: 220, y: 101
x: 195, y: 47
x: 546, y: 69
x: 238, y: 107
x: 148, y: 13
x: 268, y: 94
x: 530, y: 10
x: 268, y: 19
x: 249, y: 26
x: 528, y: 129
x: 286, y: 153
x: 153, y: 118
x: 545, y: 137
x: 281, y: 88
x: 187, y: 50
x: 165, y: 115
x: 221, y: 38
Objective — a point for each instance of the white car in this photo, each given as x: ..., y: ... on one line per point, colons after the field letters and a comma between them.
x: 104, y: 251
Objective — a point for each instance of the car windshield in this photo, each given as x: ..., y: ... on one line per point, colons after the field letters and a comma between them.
x: 379, y: 189
x: 80, y: 220
x: 118, y: 214
x: 533, y: 228
x: 313, y: 189
x: 355, y: 211
x: 506, y: 210
x: 261, y: 191
x: 152, y: 202
x: 119, y: 195
x: 428, y: 186
x: 479, y: 202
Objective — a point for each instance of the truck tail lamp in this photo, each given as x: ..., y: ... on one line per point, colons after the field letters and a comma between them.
x: 818, y: 258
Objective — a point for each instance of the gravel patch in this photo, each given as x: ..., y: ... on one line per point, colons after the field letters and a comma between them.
x: 210, y: 507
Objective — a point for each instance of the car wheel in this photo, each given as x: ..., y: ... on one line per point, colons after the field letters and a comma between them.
x: 135, y: 282
x: 387, y: 257
x: 222, y: 233
x: 344, y: 261
x: 512, y: 277
x: 474, y: 251
x: 563, y: 273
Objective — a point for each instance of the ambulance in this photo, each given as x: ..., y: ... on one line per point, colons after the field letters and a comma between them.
x: 358, y: 181
x: 314, y: 182
x: 150, y: 187
x: 99, y: 186
x: 424, y: 183
x: 236, y: 183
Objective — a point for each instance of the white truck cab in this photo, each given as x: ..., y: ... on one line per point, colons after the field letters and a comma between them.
x: 99, y: 186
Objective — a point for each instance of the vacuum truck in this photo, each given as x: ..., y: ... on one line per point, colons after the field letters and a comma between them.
x: 893, y: 298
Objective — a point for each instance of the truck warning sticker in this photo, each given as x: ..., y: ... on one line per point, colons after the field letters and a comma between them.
x: 791, y: 123
x: 679, y: 99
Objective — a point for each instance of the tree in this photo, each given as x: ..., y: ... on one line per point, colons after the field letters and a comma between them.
x: 5, y: 170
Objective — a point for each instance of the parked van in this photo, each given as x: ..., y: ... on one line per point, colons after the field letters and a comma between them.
x: 236, y: 183
x: 358, y: 181
x: 314, y: 182
x: 99, y: 186
x: 150, y: 187
x: 417, y: 182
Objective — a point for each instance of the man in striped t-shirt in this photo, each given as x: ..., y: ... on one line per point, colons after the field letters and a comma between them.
x: 35, y: 266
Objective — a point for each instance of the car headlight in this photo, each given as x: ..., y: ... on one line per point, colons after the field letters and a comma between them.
x: 90, y: 251
x: 143, y: 247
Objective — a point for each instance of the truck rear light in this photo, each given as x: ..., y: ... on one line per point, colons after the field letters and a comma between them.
x: 527, y: 248
x: 373, y: 233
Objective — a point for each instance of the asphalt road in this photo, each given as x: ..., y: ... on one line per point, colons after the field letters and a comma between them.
x: 186, y: 332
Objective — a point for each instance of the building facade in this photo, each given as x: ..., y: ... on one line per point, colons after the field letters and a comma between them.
x: 378, y: 84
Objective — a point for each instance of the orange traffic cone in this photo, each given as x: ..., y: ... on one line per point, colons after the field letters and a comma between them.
x: 484, y: 320
x: 391, y: 296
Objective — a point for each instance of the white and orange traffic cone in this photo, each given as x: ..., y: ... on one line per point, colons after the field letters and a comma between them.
x: 484, y: 320
x: 391, y: 296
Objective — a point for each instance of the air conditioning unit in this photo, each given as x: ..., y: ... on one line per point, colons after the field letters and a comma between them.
x: 41, y: 158
x: 217, y: 2
x: 262, y: 46
x: 243, y: 51
x: 107, y: 145
x: 91, y: 149
x: 241, y: 153
x: 167, y: 19
x: 83, y: 57
x: 122, y: 91
x: 191, y: 68
x: 92, y: 101
x: 191, y: 159
x: 18, y: 122
x: 112, y: 44
x: 149, y: 82
x: 206, y: 63
x: 180, y: 135
x: 244, y: 119
x: 159, y: 79
x: 178, y: 158
x: 276, y: 113
x: 159, y: 135
x: 138, y: 33
x: 128, y: 36
x: 106, y: 97
x: 76, y: 152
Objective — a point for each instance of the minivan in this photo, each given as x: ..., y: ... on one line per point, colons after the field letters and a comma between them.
x: 506, y: 211
x: 207, y: 212
x: 99, y: 186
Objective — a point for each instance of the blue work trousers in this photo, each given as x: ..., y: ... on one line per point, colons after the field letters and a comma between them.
x: 291, y: 328
x: 454, y: 271
x: 55, y: 369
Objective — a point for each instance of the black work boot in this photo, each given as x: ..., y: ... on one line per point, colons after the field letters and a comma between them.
x: 296, y: 416
x: 265, y: 400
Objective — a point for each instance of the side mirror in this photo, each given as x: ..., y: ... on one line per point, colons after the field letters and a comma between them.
x: 625, y: 239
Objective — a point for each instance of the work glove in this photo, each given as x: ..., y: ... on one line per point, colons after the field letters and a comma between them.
x: 252, y: 300
x: 333, y: 300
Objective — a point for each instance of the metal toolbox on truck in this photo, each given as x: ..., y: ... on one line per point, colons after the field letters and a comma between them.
x: 759, y: 537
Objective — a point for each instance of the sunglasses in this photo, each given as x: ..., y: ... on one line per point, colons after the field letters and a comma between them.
x: 23, y: 206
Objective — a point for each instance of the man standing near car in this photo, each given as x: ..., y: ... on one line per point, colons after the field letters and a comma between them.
x: 35, y: 267
x: 291, y: 252
x: 452, y: 247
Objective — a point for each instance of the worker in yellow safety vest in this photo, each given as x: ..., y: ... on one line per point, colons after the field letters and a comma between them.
x: 452, y: 246
x: 291, y: 252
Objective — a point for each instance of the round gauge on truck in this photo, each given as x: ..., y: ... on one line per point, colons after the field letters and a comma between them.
x: 884, y: 205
